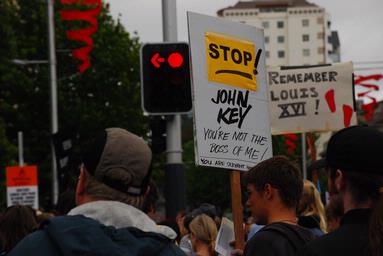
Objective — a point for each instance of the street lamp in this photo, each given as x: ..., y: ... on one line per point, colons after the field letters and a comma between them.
x: 53, y: 91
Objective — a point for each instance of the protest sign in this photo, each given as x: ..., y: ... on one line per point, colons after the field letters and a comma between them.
x: 224, y: 237
x: 318, y: 98
x: 230, y: 97
x: 22, y: 186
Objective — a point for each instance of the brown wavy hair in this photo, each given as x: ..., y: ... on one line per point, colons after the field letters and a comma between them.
x: 16, y: 222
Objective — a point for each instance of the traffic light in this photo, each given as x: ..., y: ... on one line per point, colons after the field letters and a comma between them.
x: 165, y: 78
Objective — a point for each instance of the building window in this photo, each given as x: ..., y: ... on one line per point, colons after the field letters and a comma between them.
x: 267, y: 54
x: 305, y: 23
x: 320, y: 35
x: 320, y: 50
x: 265, y: 24
x: 329, y: 39
x: 320, y: 20
x: 280, y: 24
x: 281, y: 39
x: 305, y: 38
x: 267, y: 39
x: 306, y: 52
x: 281, y: 54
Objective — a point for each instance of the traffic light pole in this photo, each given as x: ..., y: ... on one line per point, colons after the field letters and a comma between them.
x: 174, y: 169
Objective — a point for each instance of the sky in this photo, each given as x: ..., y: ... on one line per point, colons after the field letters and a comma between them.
x: 359, y: 24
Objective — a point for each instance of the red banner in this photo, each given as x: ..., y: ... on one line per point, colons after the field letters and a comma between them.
x: 369, y: 108
x: 82, y: 35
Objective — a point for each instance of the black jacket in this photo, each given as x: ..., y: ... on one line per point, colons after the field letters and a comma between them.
x: 350, y: 239
x: 82, y: 236
x: 311, y: 222
x: 278, y: 239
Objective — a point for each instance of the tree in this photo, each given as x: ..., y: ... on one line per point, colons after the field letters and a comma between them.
x: 107, y: 94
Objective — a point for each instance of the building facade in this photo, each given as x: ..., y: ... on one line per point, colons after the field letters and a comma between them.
x: 296, y: 32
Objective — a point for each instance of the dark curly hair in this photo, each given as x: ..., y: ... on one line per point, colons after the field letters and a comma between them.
x: 281, y: 174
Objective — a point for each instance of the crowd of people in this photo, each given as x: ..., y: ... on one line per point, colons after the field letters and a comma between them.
x: 112, y: 210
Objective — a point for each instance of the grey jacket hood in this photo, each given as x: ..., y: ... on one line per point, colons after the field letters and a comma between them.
x: 120, y: 215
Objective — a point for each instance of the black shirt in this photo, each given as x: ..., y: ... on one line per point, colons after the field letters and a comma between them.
x: 278, y: 239
x: 351, y: 238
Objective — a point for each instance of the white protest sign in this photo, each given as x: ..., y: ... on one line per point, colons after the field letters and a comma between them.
x: 311, y: 99
x: 230, y: 96
x: 224, y: 237
x: 22, y: 186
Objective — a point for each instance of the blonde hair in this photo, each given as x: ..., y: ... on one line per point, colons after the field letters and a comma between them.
x: 311, y: 204
x: 204, y: 229
x: 100, y: 191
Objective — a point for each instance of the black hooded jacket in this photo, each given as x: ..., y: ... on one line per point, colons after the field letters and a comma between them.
x: 278, y: 239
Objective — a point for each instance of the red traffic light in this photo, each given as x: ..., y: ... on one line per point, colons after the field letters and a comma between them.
x: 156, y: 60
x: 175, y: 60
x: 165, y: 78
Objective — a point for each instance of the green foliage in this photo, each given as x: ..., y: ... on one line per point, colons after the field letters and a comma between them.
x: 106, y: 95
x: 205, y: 185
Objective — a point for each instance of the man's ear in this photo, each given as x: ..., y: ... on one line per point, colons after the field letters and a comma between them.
x: 80, y: 189
x: 339, y: 180
x: 268, y: 191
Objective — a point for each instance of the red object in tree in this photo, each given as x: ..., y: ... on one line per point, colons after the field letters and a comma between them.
x: 369, y: 109
x: 311, y: 146
x: 290, y: 142
x: 82, y: 35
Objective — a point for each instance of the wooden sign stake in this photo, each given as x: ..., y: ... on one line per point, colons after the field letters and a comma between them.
x: 237, y: 209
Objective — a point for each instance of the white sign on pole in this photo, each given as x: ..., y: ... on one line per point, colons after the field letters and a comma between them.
x: 22, y: 186
x: 312, y: 98
x: 230, y: 96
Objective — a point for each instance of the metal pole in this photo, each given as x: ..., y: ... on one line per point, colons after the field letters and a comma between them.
x: 174, y: 169
x: 173, y: 139
x: 304, y: 156
x: 53, y: 87
x: 21, y: 148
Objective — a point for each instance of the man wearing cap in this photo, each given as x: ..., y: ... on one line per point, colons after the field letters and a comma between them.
x: 110, y: 193
x: 354, y: 161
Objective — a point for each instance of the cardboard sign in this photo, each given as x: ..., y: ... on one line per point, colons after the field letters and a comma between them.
x: 311, y: 99
x: 230, y: 97
x: 231, y: 61
x: 22, y: 186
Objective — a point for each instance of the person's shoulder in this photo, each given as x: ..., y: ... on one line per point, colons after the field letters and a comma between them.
x: 284, y: 229
x: 323, y: 244
x: 260, y: 244
x: 36, y: 243
x: 150, y: 242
